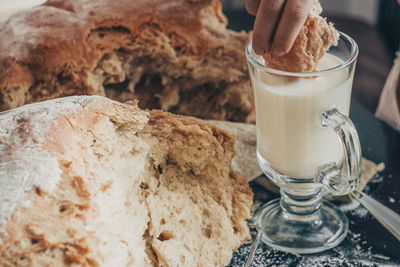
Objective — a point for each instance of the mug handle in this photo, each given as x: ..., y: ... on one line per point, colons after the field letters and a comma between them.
x: 341, y: 178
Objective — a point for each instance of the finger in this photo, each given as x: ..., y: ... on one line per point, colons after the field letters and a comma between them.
x: 268, y: 14
x: 293, y: 17
x: 252, y: 6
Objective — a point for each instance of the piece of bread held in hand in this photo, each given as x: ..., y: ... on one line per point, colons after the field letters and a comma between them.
x: 314, y: 39
x: 89, y: 181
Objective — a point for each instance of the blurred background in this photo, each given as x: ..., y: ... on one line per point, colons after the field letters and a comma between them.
x: 374, y: 24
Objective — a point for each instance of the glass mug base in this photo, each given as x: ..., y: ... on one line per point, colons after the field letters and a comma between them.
x: 300, y: 221
x: 321, y: 231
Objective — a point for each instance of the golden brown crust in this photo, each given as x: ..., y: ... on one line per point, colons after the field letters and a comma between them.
x: 314, y: 39
x: 118, y: 48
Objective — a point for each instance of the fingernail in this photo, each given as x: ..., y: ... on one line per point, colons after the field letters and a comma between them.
x: 278, y: 51
x: 258, y: 50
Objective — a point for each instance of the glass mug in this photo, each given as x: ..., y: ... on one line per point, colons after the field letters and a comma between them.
x: 308, y: 146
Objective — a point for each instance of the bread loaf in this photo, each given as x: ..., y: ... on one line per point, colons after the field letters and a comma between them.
x: 92, y: 182
x: 171, y: 54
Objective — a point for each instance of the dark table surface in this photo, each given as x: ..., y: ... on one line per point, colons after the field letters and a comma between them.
x: 368, y: 243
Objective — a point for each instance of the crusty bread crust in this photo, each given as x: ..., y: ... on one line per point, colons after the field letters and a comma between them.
x: 113, y: 185
x: 314, y: 39
x: 175, y: 55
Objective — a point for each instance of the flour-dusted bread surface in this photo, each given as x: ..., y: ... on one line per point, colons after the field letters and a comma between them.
x: 171, y: 54
x: 92, y: 182
x: 314, y: 39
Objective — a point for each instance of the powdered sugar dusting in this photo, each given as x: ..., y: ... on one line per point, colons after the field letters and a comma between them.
x: 24, y: 163
x: 354, y: 251
x: 26, y: 34
x: 355, y: 209
x: 18, y: 29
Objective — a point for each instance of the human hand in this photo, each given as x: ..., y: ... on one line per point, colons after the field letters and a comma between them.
x: 277, y: 24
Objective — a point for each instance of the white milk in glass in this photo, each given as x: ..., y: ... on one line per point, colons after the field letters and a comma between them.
x: 288, y: 110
